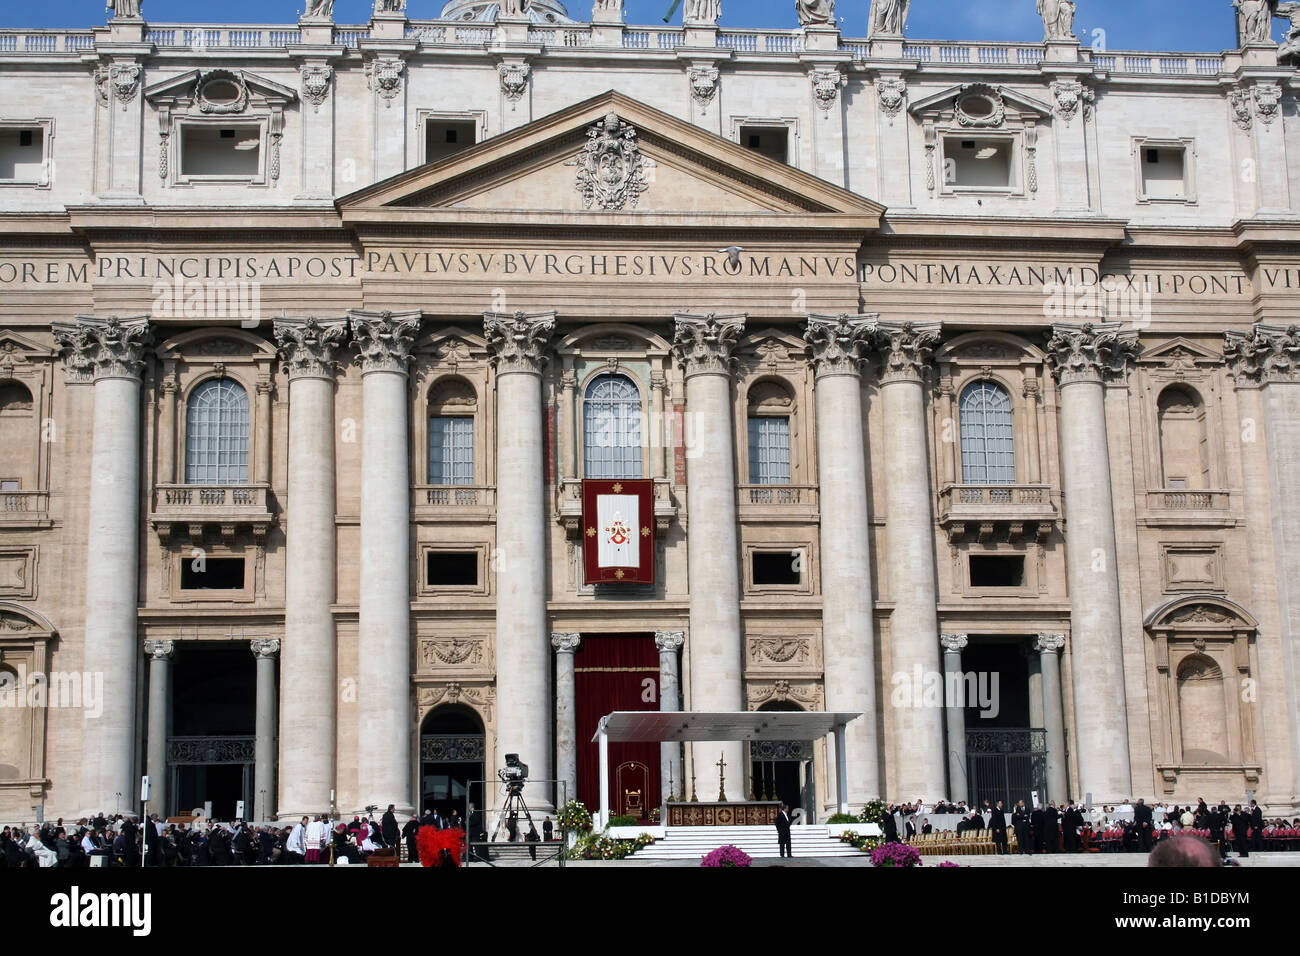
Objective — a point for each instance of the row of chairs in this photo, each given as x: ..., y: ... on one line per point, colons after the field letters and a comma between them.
x: 967, y: 843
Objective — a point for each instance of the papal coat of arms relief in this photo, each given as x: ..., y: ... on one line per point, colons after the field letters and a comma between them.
x: 612, y: 173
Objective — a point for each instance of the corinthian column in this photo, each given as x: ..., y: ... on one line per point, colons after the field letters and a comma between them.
x: 517, y: 342
x: 566, y: 714
x: 702, y: 345
x: 905, y: 349
x: 112, y: 350
x: 1082, y: 355
x: 160, y: 694
x: 848, y: 625
x: 384, y: 723
x: 1265, y: 364
x: 265, y: 651
x: 670, y: 697
x: 309, y: 671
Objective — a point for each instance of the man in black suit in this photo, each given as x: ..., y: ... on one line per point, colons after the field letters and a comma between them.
x: 1020, y: 820
x: 783, y: 832
x: 1145, y: 824
x: 1051, y: 829
x: 891, y: 825
x: 1038, y: 821
x: 1071, y: 827
x: 998, y: 824
x: 1256, y: 826
x: 388, y: 827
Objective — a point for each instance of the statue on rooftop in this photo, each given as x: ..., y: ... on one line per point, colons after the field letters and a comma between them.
x: 1058, y: 19
x: 815, y: 12
x: 702, y: 11
x: 1254, y: 20
x: 320, y: 9
x: 122, y: 9
x: 1289, y: 51
x: 888, y: 18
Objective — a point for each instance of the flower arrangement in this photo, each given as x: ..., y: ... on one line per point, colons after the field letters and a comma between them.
x: 895, y: 854
x: 726, y: 856
x: 654, y: 815
x: 574, y: 816
x: 864, y: 843
x: 873, y: 812
x: 949, y: 863
x: 592, y: 847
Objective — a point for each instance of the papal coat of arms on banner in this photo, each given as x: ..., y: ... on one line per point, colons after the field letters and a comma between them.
x: 618, y: 531
x: 612, y: 173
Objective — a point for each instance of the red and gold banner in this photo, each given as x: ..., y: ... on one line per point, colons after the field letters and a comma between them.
x: 618, y: 531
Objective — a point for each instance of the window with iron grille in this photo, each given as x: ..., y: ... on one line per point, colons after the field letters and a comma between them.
x: 216, y: 434
x: 769, y: 450
x: 611, y: 428
x: 451, y: 450
x: 988, y: 449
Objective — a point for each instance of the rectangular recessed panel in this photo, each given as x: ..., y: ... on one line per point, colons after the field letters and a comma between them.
x: 701, y: 725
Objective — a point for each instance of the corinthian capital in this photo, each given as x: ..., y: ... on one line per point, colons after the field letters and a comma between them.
x: 953, y: 642
x: 905, y: 349
x: 265, y: 646
x: 836, y: 342
x: 1049, y: 642
x: 517, y: 340
x: 565, y: 642
x: 384, y: 339
x: 703, y: 343
x: 103, y: 348
x: 1267, y: 353
x: 307, y: 346
x: 1091, y: 352
x: 159, y: 650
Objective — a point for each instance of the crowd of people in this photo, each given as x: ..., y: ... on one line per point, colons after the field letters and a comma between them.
x: 123, y: 842
x: 1071, y: 828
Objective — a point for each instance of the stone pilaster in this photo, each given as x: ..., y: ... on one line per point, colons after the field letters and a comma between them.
x: 518, y: 344
x: 836, y: 345
x: 1049, y: 648
x: 317, y: 85
x: 159, y: 654
x: 1265, y: 365
x: 566, y: 719
x: 670, y: 699
x: 955, y: 716
x: 384, y: 712
x: 112, y: 352
x: 1083, y: 358
x: 309, y: 716
x: 905, y: 349
x: 702, y: 345
x: 265, y: 651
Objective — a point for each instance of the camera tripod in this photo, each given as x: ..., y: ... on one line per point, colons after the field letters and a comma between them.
x: 510, y: 812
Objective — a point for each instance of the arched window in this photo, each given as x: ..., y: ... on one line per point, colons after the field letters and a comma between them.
x: 611, y: 428
x: 988, y: 450
x: 17, y: 438
x: 451, y: 433
x: 1202, y: 711
x: 216, y: 434
x: 769, y: 434
x: 1184, y: 452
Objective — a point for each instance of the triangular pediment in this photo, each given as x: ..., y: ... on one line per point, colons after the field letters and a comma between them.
x: 1001, y: 98
x: 251, y: 90
x: 639, y: 165
x: 1181, y: 351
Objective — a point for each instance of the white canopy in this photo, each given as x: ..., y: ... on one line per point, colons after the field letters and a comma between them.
x: 623, y: 726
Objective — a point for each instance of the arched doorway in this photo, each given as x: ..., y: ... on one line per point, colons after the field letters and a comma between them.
x: 782, y: 769
x: 451, y: 760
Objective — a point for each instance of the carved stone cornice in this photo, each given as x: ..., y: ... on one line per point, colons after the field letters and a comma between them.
x: 103, y: 348
x: 953, y: 643
x: 265, y: 646
x: 669, y: 641
x: 1091, y: 352
x: 1049, y: 642
x: 905, y: 349
x: 566, y: 643
x: 836, y: 342
x: 480, y: 699
x: 307, y: 346
x: 517, y: 340
x: 703, y: 344
x: 384, y: 339
x: 1267, y: 353
x: 159, y: 650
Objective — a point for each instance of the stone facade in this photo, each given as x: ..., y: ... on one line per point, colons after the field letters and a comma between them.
x: 477, y: 218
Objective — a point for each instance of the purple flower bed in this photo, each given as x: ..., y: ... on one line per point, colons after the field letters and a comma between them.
x: 726, y: 856
x: 895, y: 854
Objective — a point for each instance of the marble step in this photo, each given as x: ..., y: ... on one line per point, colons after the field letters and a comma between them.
x: 682, y: 843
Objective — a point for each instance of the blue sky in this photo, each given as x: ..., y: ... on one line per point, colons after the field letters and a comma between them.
x: 1127, y: 24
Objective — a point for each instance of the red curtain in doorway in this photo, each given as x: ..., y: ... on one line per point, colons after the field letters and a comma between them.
x: 616, y: 672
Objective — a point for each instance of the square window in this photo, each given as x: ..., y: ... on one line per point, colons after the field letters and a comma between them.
x: 776, y: 568
x: 770, y: 141
x: 443, y: 137
x: 451, y: 569
x: 22, y: 155
x: 212, y: 574
x: 1163, y: 173
x: 221, y: 152
x: 979, y: 163
x: 997, y: 571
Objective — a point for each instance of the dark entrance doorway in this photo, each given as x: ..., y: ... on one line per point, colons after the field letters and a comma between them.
x: 210, y: 749
x: 1006, y: 758
x: 617, y: 672
x: 782, y: 769
x: 451, y: 761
